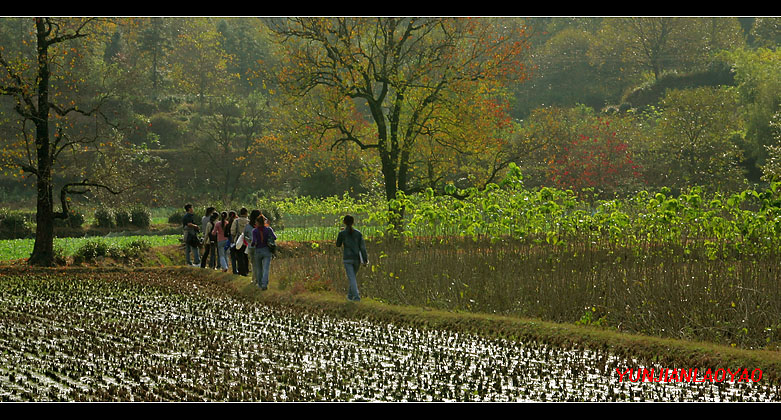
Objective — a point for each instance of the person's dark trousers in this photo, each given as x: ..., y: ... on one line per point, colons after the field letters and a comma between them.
x: 211, y: 250
x: 242, y: 260
x: 234, y: 261
x: 213, y: 256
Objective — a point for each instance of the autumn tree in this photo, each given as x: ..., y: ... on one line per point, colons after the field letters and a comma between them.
x: 39, y: 77
x: 199, y: 63
x: 578, y: 148
x: 467, y: 142
x: 397, y: 74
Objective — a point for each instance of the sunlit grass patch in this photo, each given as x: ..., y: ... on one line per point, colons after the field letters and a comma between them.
x: 15, y: 249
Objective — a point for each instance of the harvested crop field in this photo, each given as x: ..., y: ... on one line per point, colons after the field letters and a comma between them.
x: 177, y: 335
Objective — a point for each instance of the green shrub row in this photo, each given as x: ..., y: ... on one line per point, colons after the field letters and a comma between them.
x: 15, y: 225
x: 19, y: 224
x: 139, y: 217
x: 94, y: 249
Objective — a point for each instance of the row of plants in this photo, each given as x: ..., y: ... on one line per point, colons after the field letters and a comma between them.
x: 139, y: 217
x: 93, y: 250
x: 709, y: 224
x: 88, y: 248
x: 731, y: 302
x: 177, y: 335
x: 694, y: 265
x: 21, y: 224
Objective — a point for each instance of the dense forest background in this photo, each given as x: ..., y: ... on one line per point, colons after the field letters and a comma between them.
x: 203, y: 110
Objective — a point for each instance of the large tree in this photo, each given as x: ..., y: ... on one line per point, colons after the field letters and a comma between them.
x: 385, y: 83
x: 45, y: 97
x: 199, y: 63
x: 232, y: 142
x: 660, y: 44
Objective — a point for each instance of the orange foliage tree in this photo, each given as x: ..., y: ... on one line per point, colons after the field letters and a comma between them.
x: 387, y: 83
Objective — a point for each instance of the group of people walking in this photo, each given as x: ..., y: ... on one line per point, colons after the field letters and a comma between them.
x: 239, y: 241
x: 234, y: 241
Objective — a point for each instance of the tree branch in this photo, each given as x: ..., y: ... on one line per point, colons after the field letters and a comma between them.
x: 67, y: 189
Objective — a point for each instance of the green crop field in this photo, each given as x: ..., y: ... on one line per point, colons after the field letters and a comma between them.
x: 15, y: 249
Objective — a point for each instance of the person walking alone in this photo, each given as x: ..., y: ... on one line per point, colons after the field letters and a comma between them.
x: 354, y: 254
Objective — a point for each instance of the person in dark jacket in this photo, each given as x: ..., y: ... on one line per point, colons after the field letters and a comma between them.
x: 353, y: 255
x: 231, y: 242
x: 250, y: 249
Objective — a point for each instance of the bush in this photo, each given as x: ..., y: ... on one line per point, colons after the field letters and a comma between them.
x: 94, y: 249
x: 122, y: 218
x: 15, y: 226
x: 141, y: 217
x: 74, y: 220
x: 176, y: 218
x: 104, y: 218
x: 168, y: 130
x: 136, y: 249
x: 59, y: 256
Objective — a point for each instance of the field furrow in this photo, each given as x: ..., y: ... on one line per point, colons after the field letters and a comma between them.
x: 156, y: 335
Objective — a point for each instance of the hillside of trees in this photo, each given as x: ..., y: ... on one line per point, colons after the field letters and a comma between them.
x: 174, y: 110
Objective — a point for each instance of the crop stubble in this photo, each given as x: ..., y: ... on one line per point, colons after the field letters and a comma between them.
x: 149, y: 335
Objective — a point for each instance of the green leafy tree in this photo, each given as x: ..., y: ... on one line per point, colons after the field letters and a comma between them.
x: 564, y: 75
x: 199, y: 63
x: 758, y: 77
x: 766, y: 31
x: 245, y: 40
x: 696, y: 131
x: 660, y: 44
x: 155, y: 42
x: 772, y: 168
x: 231, y: 130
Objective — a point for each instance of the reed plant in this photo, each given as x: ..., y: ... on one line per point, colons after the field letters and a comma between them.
x: 659, y: 293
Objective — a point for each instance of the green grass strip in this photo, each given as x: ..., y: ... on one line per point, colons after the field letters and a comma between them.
x: 15, y: 249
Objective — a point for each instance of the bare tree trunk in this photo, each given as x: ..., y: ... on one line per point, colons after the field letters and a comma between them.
x: 43, y: 251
